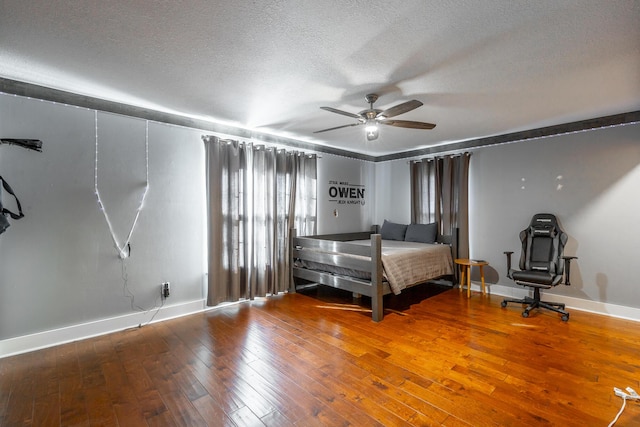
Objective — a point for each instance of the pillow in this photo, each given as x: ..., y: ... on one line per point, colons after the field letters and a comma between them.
x: 422, y: 233
x: 392, y: 231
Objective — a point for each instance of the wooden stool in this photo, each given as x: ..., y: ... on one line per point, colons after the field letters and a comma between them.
x: 465, y: 270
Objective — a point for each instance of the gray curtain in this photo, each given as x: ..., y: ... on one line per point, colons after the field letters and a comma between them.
x: 255, y: 195
x: 440, y: 193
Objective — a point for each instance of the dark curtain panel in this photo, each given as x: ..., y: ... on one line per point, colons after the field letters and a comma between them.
x: 255, y: 196
x: 440, y: 193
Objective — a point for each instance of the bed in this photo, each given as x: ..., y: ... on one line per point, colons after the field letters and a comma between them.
x: 365, y: 264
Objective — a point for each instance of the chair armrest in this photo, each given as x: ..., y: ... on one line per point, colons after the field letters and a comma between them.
x: 508, y: 254
x: 567, y: 269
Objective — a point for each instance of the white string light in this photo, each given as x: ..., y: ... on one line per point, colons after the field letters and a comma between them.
x: 122, y: 249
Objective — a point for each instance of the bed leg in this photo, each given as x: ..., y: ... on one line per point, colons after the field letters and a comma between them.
x: 377, y: 311
x: 292, y: 281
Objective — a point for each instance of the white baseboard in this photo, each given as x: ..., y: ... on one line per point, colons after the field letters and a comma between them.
x: 606, y: 309
x: 26, y: 343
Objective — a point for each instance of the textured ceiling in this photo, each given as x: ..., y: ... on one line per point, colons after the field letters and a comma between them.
x: 481, y: 68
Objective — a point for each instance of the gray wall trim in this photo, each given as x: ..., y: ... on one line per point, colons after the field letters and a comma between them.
x: 582, y: 125
x: 15, y: 87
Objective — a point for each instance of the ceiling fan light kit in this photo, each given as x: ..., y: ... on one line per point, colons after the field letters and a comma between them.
x: 372, y: 117
x: 372, y: 133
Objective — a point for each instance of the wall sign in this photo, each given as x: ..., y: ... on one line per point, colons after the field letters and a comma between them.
x: 346, y: 193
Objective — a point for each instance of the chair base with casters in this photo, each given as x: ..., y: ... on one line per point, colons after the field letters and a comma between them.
x: 542, y: 265
x: 536, y: 302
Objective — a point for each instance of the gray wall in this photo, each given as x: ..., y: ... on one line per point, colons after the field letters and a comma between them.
x: 345, y: 214
x: 393, y: 192
x: 590, y: 180
x: 58, y: 265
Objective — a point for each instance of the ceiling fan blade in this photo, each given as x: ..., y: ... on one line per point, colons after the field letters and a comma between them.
x: 401, y: 108
x: 408, y: 124
x: 338, y: 127
x: 344, y: 113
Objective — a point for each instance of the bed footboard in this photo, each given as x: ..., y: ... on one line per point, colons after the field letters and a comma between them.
x: 336, y: 251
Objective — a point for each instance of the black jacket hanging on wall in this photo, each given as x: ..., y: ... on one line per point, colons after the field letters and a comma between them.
x: 29, y: 144
x: 4, y: 222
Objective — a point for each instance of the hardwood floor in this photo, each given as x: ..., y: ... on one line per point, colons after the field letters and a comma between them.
x: 318, y: 359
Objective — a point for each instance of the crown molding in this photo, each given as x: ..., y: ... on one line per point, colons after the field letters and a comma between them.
x: 18, y: 88
x: 29, y: 90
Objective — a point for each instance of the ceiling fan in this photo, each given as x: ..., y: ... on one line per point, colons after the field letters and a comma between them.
x: 372, y: 117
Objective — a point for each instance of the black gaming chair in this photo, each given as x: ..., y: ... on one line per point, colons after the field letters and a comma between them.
x: 541, y: 263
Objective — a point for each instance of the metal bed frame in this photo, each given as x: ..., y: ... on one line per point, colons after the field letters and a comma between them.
x: 335, y: 249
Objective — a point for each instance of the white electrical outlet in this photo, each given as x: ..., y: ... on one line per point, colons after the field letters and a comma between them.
x: 165, y: 289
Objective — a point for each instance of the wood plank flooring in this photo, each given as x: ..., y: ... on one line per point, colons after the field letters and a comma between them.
x: 318, y: 359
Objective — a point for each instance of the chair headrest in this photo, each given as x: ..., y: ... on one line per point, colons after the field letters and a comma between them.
x: 543, y: 224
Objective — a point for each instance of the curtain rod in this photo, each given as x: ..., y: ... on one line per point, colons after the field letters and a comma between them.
x: 429, y: 159
x: 207, y: 138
